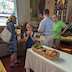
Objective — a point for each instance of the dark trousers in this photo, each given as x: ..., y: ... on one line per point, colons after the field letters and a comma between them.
x: 21, y: 51
x: 56, y: 43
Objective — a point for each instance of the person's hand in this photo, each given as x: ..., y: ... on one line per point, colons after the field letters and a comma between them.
x: 29, y: 33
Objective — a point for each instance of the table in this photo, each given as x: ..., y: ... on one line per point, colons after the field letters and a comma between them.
x: 40, y: 64
x: 68, y: 38
x: 2, y: 69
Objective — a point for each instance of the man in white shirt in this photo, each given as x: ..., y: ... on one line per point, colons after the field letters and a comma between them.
x: 45, y: 28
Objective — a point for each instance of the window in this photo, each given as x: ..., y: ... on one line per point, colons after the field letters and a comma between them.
x: 7, y: 8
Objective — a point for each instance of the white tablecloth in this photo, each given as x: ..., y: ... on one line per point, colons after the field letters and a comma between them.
x: 40, y: 64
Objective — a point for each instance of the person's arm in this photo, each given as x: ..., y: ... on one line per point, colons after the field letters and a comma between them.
x: 41, y: 27
x: 10, y: 26
x: 32, y: 36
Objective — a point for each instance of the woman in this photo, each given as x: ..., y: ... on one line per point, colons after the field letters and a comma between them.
x: 13, y: 41
x: 27, y: 38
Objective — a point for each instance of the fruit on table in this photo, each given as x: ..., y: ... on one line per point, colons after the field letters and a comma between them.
x: 47, y: 53
x: 53, y: 54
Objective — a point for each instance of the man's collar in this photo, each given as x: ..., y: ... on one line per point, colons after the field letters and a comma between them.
x: 45, y: 17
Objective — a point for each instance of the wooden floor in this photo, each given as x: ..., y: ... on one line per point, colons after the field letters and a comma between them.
x: 18, y: 68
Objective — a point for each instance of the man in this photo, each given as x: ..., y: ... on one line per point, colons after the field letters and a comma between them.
x: 40, y: 16
x: 45, y: 28
x: 57, y: 30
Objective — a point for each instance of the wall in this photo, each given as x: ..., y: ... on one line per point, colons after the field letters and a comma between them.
x: 50, y: 4
x: 69, y: 9
x: 23, y: 10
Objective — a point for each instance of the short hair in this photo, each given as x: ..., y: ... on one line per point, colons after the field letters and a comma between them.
x: 55, y: 15
x: 46, y: 11
x: 11, y: 18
